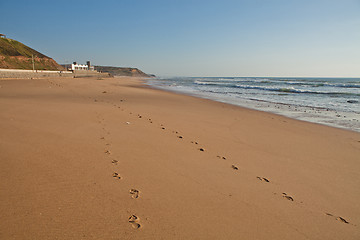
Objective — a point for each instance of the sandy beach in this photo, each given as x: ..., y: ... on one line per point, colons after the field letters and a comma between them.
x: 90, y: 158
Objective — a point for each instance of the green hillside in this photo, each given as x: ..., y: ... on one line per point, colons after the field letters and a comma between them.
x: 15, y: 55
x: 10, y: 47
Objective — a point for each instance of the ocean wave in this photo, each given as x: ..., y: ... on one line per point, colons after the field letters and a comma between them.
x: 268, y: 82
x: 347, y: 85
x: 280, y: 88
x: 294, y: 90
x: 324, y: 84
x: 212, y: 83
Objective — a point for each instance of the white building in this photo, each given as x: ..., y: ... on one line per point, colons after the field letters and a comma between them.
x: 75, y: 66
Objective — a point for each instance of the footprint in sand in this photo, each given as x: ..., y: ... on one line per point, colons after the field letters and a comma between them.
x: 263, y: 179
x: 114, y: 161
x: 134, y: 193
x: 107, y: 152
x: 341, y: 219
x: 134, y: 221
x: 224, y: 158
x: 288, y: 197
x: 234, y: 167
x: 201, y: 149
x: 116, y: 175
x: 180, y: 137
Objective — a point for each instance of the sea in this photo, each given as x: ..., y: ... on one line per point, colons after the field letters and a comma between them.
x: 329, y: 101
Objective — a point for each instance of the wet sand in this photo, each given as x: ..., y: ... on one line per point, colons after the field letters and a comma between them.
x: 114, y: 159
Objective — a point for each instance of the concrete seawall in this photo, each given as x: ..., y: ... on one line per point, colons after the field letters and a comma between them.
x: 17, y: 73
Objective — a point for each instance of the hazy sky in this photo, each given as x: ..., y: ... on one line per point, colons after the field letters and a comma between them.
x: 194, y: 37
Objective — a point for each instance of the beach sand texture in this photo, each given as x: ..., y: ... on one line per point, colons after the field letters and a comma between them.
x: 113, y: 159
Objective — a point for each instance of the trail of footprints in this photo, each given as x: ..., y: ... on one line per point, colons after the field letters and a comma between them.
x: 134, y: 220
x: 134, y: 193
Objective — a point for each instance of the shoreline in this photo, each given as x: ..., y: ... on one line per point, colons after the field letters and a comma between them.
x: 144, y: 82
x: 321, y: 115
x: 116, y: 158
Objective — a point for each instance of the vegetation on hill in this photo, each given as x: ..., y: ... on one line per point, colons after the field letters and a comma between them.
x: 122, y: 71
x: 10, y: 47
x: 15, y: 55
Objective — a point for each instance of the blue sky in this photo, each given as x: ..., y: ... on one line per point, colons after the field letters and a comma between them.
x: 194, y: 38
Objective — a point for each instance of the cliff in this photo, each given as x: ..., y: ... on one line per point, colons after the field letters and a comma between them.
x: 15, y: 55
x: 123, y: 71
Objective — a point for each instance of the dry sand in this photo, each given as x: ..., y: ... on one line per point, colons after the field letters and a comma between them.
x: 79, y: 157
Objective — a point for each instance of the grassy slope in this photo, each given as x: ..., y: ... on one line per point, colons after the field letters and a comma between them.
x: 15, y: 55
x: 10, y: 47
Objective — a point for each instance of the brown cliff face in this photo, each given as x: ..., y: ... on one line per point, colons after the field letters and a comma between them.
x: 123, y: 71
x: 15, y: 55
